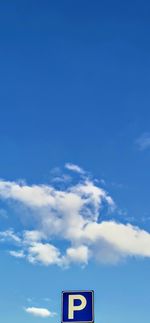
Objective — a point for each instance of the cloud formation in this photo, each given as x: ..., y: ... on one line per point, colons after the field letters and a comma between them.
x: 67, y: 225
x: 74, y: 168
x: 41, y: 312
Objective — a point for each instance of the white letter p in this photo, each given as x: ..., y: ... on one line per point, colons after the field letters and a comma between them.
x: 73, y: 308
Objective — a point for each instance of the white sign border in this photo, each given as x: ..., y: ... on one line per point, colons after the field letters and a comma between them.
x: 77, y: 291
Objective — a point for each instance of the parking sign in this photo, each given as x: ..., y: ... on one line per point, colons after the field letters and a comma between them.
x: 78, y: 306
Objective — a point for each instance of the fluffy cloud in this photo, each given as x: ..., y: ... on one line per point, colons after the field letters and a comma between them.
x: 114, y: 241
x: 71, y: 215
x: 41, y: 312
x: 32, y: 196
x: 44, y: 253
x: 78, y: 255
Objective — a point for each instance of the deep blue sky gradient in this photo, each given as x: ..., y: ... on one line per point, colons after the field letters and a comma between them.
x: 74, y: 86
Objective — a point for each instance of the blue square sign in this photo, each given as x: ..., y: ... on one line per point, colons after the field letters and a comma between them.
x: 78, y: 306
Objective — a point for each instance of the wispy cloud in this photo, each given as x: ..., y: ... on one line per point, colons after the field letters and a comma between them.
x: 9, y: 235
x: 41, y: 312
x: 74, y: 168
x: 143, y: 142
x: 71, y: 215
x: 17, y: 254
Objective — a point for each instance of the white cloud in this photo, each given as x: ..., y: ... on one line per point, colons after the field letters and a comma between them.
x: 46, y: 254
x: 74, y: 168
x: 143, y: 141
x: 121, y: 239
x: 73, y: 216
x: 9, y: 235
x: 32, y: 236
x: 77, y: 255
x: 41, y: 312
x: 32, y: 196
x: 17, y: 254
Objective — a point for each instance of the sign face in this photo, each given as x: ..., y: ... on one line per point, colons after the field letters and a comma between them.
x: 78, y: 306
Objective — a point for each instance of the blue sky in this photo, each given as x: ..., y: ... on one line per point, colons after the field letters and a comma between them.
x: 75, y: 154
